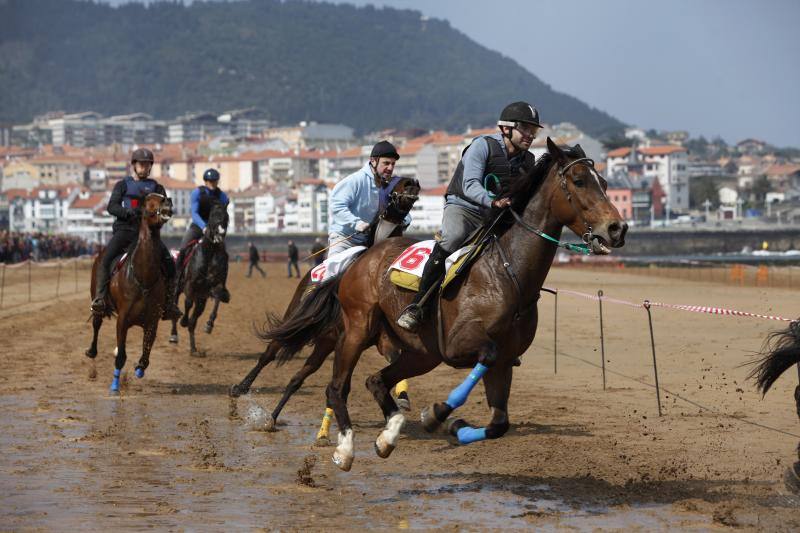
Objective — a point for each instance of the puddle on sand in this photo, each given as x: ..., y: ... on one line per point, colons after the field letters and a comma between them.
x: 481, y: 505
x: 184, y: 462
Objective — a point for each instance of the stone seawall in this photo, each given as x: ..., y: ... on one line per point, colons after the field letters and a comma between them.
x: 640, y: 241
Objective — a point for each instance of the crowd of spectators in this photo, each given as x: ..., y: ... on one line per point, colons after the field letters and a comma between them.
x: 17, y: 247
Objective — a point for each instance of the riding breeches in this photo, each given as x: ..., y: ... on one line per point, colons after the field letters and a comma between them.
x: 121, y: 241
x: 458, y: 223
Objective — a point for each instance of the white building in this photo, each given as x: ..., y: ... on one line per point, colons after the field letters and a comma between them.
x: 667, y: 163
x: 426, y: 215
x: 43, y: 209
x: 86, y: 217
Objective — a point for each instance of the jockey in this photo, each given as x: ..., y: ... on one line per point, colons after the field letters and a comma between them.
x: 500, y: 155
x: 201, y: 201
x: 355, y: 201
x: 124, y: 204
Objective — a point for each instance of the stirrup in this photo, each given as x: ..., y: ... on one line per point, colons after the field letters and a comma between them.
x: 410, y: 318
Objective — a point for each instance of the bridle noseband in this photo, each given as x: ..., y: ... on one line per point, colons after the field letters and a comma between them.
x: 562, y: 173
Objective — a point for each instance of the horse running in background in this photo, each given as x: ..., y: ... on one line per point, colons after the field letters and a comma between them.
x: 136, y: 288
x: 487, y: 318
x: 314, y: 303
x: 781, y: 351
x: 203, y: 275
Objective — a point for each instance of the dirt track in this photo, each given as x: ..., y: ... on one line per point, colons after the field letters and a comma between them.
x: 173, y: 452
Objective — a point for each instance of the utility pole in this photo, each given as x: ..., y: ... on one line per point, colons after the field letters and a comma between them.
x: 707, y: 205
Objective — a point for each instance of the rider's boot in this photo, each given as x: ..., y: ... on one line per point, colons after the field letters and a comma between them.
x: 411, y: 317
x: 170, y: 310
x: 99, y: 306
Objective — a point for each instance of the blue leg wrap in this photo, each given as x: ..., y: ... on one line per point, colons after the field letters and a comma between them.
x: 139, y: 372
x: 115, y: 381
x: 459, y: 395
x: 467, y: 435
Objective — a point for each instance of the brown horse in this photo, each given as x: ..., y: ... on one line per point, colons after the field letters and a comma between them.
x: 781, y: 352
x: 487, y: 319
x: 283, y: 335
x: 137, y: 289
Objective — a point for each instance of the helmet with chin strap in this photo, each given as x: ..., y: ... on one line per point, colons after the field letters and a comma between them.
x: 519, y: 112
x: 384, y: 149
x: 143, y: 155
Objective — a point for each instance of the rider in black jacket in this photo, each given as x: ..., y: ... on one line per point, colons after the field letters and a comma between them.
x: 124, y: 204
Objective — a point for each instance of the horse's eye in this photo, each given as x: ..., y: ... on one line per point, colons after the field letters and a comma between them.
x: 578, y: 183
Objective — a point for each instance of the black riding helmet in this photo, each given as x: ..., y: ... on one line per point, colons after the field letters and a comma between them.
x: 384, y: 149
x: 211, y: 175
x: 143, y: 155
x: 519, y: 112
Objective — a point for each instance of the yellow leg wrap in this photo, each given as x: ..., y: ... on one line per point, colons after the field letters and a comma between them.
x: 401, y: 387
x: 325, y: 427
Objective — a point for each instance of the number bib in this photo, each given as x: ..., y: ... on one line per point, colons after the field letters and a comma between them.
x: 413, y: 259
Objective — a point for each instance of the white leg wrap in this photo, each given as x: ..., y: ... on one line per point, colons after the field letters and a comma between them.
x: 343, y: 456
x: 393, y: 427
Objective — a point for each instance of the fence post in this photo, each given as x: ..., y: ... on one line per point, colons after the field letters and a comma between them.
x: 3, y: 286
x: 58, y: 279
x: 602, y: 338
x: 555, y: 334
x: 653, y: 346
x: 76, y: 274
x: 29, y: 280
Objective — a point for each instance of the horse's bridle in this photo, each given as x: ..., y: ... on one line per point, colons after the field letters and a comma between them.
x: 562, y: 173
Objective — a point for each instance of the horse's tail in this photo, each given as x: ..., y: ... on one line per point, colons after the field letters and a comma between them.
x: 781, y: 350
x: 317, y: 312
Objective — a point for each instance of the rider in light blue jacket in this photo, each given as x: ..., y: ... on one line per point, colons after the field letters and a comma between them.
x: 355, y: 200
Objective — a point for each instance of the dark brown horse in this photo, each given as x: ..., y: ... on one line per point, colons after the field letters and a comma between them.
x: 137, y: 289
x: 314, y: 304
x: 780, y: 353
x: 487, y: 319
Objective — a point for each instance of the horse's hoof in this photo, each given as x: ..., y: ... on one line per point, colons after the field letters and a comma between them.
x: 791, y: 478
x: 173, y: 339
x: 269, y: 425
x: 209, y: 328
x: 139, y: 372
x: 197, y: 353
x: 404, y: 404
x: 322, y: 441
x: 429, y: 421
x: 184, y: 321
x: 383, y: 448
x: 91, y: 354
x: 342, y: 461
x: 236, y: 391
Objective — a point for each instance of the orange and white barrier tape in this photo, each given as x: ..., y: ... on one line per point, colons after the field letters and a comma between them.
x: 691, y: 308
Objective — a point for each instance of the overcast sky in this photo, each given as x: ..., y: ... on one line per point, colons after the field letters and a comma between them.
x: 712, y: 67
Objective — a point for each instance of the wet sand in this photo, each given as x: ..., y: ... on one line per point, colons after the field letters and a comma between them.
x: 174, y: 452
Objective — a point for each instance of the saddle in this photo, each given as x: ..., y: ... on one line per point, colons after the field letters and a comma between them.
x: 189, y: 250
x: 406, y: 270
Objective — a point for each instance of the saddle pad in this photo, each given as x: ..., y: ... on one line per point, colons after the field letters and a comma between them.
x: 407, y: 269
x: 336, y: 264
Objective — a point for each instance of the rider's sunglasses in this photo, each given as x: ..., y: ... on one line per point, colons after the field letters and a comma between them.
x: 527, y: 130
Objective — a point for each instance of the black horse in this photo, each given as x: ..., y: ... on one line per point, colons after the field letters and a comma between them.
x: 387, y: 223
x: 203, y: 275
x: 781, y: 351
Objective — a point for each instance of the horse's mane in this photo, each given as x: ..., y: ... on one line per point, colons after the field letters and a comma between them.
x: 522, y: 190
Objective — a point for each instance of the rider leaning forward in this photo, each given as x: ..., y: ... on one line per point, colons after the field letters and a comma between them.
x: 201, y: 201
x: 355, y: 201
x: 502, y: 154
x: 125, y: 206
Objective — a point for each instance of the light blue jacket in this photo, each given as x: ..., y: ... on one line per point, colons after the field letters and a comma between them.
x: 354, y: 199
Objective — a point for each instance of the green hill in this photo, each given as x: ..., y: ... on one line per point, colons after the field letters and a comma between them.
x: 367, y: 67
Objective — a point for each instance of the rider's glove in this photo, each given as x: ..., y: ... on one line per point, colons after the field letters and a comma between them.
x: 362, y: 226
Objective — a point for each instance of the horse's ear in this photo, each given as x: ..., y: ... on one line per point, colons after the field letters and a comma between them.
x: 579, y: 151
x: 555, y: 151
